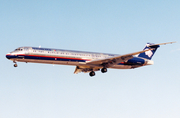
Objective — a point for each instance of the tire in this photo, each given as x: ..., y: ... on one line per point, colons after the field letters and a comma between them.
x: 103, y: 70
x: 15, y: 65
x: 92, y: 73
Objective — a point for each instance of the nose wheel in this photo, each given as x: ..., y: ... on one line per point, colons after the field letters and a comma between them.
x: 15, y: 65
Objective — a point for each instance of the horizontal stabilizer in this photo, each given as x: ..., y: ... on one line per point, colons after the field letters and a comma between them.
x: 161, y: 44
x: 149, y: 54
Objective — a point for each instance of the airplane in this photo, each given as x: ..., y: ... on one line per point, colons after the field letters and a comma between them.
x: 87, y: 62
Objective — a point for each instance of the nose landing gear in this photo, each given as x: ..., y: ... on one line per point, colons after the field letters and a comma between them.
x: 15, y: 65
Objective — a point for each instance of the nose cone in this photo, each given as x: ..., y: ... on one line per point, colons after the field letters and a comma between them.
x: 8, y: 56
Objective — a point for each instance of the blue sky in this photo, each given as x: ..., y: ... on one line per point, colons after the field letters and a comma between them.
x: 116, y: 26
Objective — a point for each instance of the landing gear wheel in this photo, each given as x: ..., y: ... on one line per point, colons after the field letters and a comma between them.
x: 103, y: 70
x: 92, y: 73
x: 15, y: 65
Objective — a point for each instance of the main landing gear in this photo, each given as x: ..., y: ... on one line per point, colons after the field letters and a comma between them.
x: 92, y: 73
x: 104, y: 70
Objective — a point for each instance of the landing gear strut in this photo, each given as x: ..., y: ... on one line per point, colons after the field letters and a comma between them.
x: 15, y: 65
x: 103, y: 70
x: 92, y: 73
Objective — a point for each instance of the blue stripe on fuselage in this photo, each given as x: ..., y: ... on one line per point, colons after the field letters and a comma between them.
x: 44, y: 58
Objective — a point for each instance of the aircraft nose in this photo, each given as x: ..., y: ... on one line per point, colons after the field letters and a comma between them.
x: 8, y: 56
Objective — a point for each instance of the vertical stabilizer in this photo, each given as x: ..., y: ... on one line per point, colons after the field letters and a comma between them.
x: 149, y: 54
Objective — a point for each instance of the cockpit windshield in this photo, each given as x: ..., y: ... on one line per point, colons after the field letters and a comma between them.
x: 18, y: 49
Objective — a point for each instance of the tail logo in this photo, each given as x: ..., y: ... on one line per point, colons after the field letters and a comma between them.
x: 149, y: 53
x: 153, y: 47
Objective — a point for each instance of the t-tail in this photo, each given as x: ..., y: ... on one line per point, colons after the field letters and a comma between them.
x: 149, y: 54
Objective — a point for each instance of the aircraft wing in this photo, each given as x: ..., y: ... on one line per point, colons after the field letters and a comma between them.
x: 108, y: 62
x: 97, y: 64
x: 116, y: 59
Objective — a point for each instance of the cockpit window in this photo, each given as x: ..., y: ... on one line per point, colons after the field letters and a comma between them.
x: 18, y: 49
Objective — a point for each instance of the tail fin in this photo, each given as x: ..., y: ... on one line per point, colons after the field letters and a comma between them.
x: 149, y: 54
